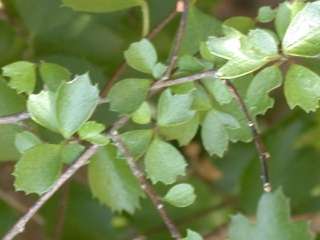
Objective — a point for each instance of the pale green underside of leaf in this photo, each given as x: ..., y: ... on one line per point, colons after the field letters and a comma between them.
x: 127, y: 95
x: 273, y: 222
x: 218, y: 89
x: 164, y: 163
x: 257, y: 97
x: 283, y: 18
x: 38, y: 168
x: 214, y: 132
x: 143, y: 114
x: 101, y: 5
x: 191, y: 235
x: 66, y: 110
x: 303, y: 34
x: 112, y: 182
x: 26, y: 140
x: 302, y: 88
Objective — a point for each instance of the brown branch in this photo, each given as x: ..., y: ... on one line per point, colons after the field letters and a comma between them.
x: 145, y: 185
x: 61, y: 211
x: 11, y: 119
x: 81, y: 161
x: 12, y: 202
x: 182, y: 6
x: 122, y: 67
x: 264, y: 155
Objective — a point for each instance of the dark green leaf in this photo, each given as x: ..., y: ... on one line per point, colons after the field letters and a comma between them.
x: 242, y: 24
x: 112, y: 182
x: 53, y: 75
x: 164, y: 163
x: 127, y: 95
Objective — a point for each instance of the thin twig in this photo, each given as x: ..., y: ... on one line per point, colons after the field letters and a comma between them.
x: 123, y: 66
x: 62, y: 211
x: 182, y: 5
x: 145, y: 185
x: 264, y: 155
x: 81, y: 161
x: 12, y: 202
x: 11, y: 119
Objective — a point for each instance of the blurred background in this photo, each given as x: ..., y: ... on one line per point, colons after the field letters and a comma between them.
x: 44, y: 30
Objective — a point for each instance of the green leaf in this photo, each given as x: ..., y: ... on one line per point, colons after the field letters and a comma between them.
x: 164, y: 163
x: 200, y: 26
x: 266, y: 14
x: 66, y: 110
x: 218, y: 89
x: 257, y: 98
x: 101, y: 5
x: 71, y: 152
x: 38, y: 168
x: 191, y: 235
x: 181, y: 195
x: 91, y: 132
x: 53, y: 75
x: 10, y: 101
x: 242, y: 24
x: 143, y: 114
x: 214, y: 132
x: 302, y: 88
x: 158, y: 70
x: 42, y: 109
x: 273, y: 222
x: 7, y: 142
x: 137, y: 141
x: 302, y: 37
x: 22, y: 76
x: 283, y: 18
x: 127, y: 95
x: 26, y: 140
x: 142, y: 56
x: 75, y: 103
x: 262, y: 41
x: 174, y: 109
x: 202, y: 101
x: 183, y: 133
x: 112, y: 182
x: 191, y: 64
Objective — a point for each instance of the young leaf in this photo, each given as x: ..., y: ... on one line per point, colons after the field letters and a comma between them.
x: 214, y: 132
x: 26, y: 140
x: 283, y: 18
x: 180, y: 195
x: 75, y: 103
x: 191, y: 235
x: 302, y: 37
x: 174, y: 109
x: 38, y: 168
x: 143, y: 114
x: 101, y: 5
x: 183, y: 133
x: 53, y: 75
x: 137, y: 141
x: 302, y: 88
x: 142, y: 56
x: 164, y: 163
x: 112, y: 182
x: 266, y: 14
x: 22, y: 76
x: 257, y: 98
x: 273, y: 222
x: 127, y: 95
x: 91, y: 131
